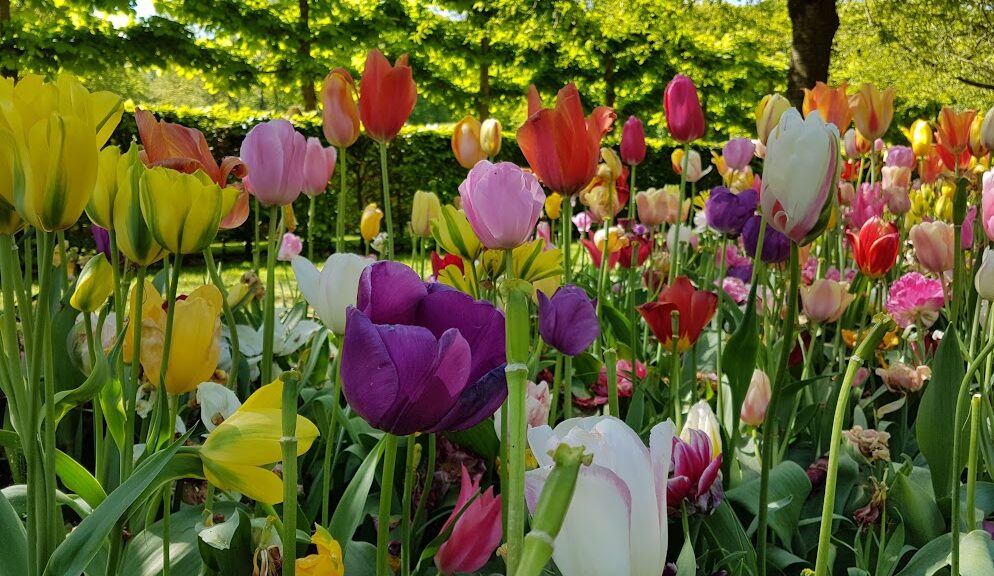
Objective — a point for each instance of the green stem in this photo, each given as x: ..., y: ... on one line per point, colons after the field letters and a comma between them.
x: 41, y: 376
x: 611, y: 363
x: 258, y: 240
x: 881, y: 324
x: 567, y: 222
x: 413, y: 450
x: 557, y: 381
x: 131, y: 383
x: 567, y: 388
x: 269, y: 313
x: 386, y: 495
x: 386, y: 198
x: 330, y: 441
x: 311, y: 217
x: 602, y: 282
x: 119, y: 308
x: 340, y: 216
x: 719, y: 332
x: 288, y: 445
x: 517, y: 334
x: 229, y: 316
x: 675, y: 376
x: 8, y: 257
x: 971, y: 478
x: 166, y: 427
x: 675, y: 248
x: 98, y: 417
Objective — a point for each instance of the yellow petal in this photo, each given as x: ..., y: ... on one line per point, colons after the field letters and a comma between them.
x: 256, y: 483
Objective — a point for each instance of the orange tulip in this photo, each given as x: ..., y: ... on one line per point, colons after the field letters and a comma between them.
x: 466, y: 142
x: 872, y: 110
x: 340, y: 116
x: 932, y: 165
x: 186, y: 150
x: 953, y: 133
x: 386, y: 96
x: 831, y: 103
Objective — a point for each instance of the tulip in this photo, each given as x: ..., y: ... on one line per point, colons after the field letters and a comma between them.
x: 183, y: 211
x: 475, y: 534
x: 425, y: 210
x: 872, y: 110
x: 915, y: 300
x: 196, y: 344
x: 876, y: 247
x: 319, y: 165
x: 727, y: 212
x: 868, y: 203
x: 369, y: 222
x: 94, y: 285
x: 236, y: 451
x: 633, y: 142
x: 340, y: 116
x: 800, y: 176
x: 776, y: 246
x: 642, y: 246
x: 757, y: 399
x: 502, y: 202
x: 134, y: 238
x: 832, y: 104
x: 100, y: 207
x: 290, y: 247
x: 984, y: 280
x: 683, y: 110
x: 616, y: 522
x: 825, y: 300
x: 658, y: 205
x: 561, y: 146
x: 693, y: 163
x: 900, y: 156
x: 987, y: 130
x: 466, y: 142
x: 101, y: 239
x: 953, y: 133
x: 695, y: 475
x: 933, y: 165
x: 987, y: 203
x: 903, y: 379
x: 275, y: 154
x: 583, y: 222
x: 933, y: 243
x: 695, y: 308
x: 438, y: 263
x: 768, y: 114
x: 334, y: 289
x: 554, y: 206
x: 895, y: 183
x: 568, y: 321
x: 217, y: 403
x: 976, y: 144
x: 421, y: 357
x: 854, y: 144
x: 386, y: 96
x: 329, y: 561
x: 700, y: 417
x: 737, y: 153
x: 455, y: 234
x: 920, y: 137
x: 490, y: 137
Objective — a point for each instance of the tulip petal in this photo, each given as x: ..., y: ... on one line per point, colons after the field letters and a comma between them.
x: 256, y: 483
x: 477, y: 402
x: 478, y: 321
x: 370, y: 380
x: 427, y: 400
x: 389, y: 293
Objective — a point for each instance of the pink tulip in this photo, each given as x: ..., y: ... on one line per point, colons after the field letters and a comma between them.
x: 987, y: 204
x: 869, y: 203
x: 633, y: 142
x: 966, y: 234
x: 319, y: 165
x: 933, y: 243
x: 275, y: 154
x: 825, y: 300
x: 290, y: 247
x: 544, y: 231
x: 896, y: 183
x: 583, y: 222
x: 900, y: 156
x: 683, y: 110
x: 738, y: 152
x: 476, y: 533
x: 757, y: 399
x: 502, y: 202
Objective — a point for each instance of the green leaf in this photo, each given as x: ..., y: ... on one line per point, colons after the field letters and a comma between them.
x: 349, y: 512
x: 112, y: 404
x: 360, y: 559
x: 232, y: 550
x: 938, y: 409
x: 15, y: 541
x: 69, y: 399
x: 636, y: 410
x: 144, y: 552
x: 976, y: 556
x: 620, y: 327
x: 481, y: 439
x: 724, y: 532
x: 789, y: 488
x: 912, y: 503
x: 686, y: 562
x: 739, y: 358
x: 78, y: 479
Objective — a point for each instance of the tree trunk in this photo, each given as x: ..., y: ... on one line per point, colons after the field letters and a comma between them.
x: 4, y: 21
x: 609, y: 66
x: 814, y: 25
x: 304, y: 52
x: 483, y: 95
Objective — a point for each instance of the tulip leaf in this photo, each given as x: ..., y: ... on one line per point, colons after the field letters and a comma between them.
x: 917, y: 508
x: 144, y: 552
x: 976, y: 556
x: 229, y: 544
x: 938, y: 409
x: 739, y: 359
x: 349, y: 512
x: 78, y: 479
x: 112, y: 404
x: 14, y: 538
x: 620, y: 327
x: 360, y: 559
x: 481, y: 439
x: 724, y: 532
x: 789, y: 488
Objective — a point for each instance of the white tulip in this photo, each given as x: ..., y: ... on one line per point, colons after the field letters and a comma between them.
x: 217, y: 403
x: 701, y: 417
x: 616, y: 523
x: 984, y: 280
x: 333, y: 289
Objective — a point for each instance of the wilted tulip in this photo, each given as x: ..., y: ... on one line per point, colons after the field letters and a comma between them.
x: 727, y: 212
x: 466, y: 142
x: 632, y: 142
x: 183, y: 211
x: 953, y: 133
x: 825, y: 300
x: 800, y: 176
x: 554, y: 206
x: 406, y: 338
x: 876, y: 247
x: 568, y: 321
x: 933, y: 243
x: 340, y: 114
x: 319, y: 165
x: 757, y: 399
x: 701, y: 417
x: 425, y: 210
x: 502, y: 202
x: 386, y: 96
x: 476, y: 533
x: 695, y: 476
x: 561, y: 146
x: 94, y: 285
x: 694, y: 308
x: 920, y: 137
x: 872, y: 110
x: 984, y: 279
x: 329, y: 561
x: 217, y: 403
x: 903, y: 379
x: 490, y: 138
x: 832, y: 104
x: 768, y: 114
x: 334, y: 289
x: 369, y: 221
x: 604, y: 531
x: 275, y: 154
x: 738, y: 152
x: 684, y: 115
x: 693, y: 164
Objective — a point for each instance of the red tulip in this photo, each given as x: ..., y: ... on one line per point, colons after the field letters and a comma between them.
x: 386, y: 96
x: 561, y: 146
x: 876, y: 247
x: 633, y: 142
x: 476, y: 533
x: 683, y: 109
x: 439, y: 263
x: 695, y: 308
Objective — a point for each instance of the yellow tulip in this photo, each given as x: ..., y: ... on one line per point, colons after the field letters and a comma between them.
x: 100, y: 208
x: 236, y: 451
x: 195, y: 347
x: 872, y: 110
x: 426, y: 209
x: 532, y: 262
x: 554, y: 206
x: 466, y: 142
x: 455, y: 235
x: 768, y: 114
x: 183, y: 211
x: 327, y: 562
x: 134, y: 239
x: 94, y: 285
x: 920, y: 137
x: 369, y: 222
x: 490, y: 137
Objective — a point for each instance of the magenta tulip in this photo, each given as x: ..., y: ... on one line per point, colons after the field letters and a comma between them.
x: 683, y: 110
x: 502, y: 202
x: 738, y: 152
x: 274, y: 153
x: 476, y: 533
x: 319, y: 165
x: 632, y: 142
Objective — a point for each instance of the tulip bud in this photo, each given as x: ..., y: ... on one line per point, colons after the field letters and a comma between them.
x: 319, y: 165
x: 984, y: 280
x: 876, y: 247
x: 275, y: 155
x: 737, y: 153
x: 94, y: 286
x: 825, y: 300
x: 701, y: 417
x: 683, y: 110
x: 757, y: 399
x: 455, y: 235
x: 832, y: 104
x: 490, y: 137
x: 369, y: 222
x: 768, y: 114
x: 978, y: 148
x: 920, y: 136
x: 633, y: 142
x: 554, y: 206
x: 466, y: 142
x: 100, y: 207
x: 855, y: 144
x: 387, y: 95
x: 425, y: 210
x: 340, y: 116
x: 134, y: 238
x: 933, y: 243
x: 183, y: 211
x: 502, y: 202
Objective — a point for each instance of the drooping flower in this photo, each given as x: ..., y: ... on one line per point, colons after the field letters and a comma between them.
x: 290, y: 247
x: 876, y: 247
x: 387, y: 95
x: 684, y: 116
x: 475, y: 534
x: 915, y: 299
x: 583, y: 221
x: 334, y: 289
x: 903, y: 379
x: 695, y: 475
x: 217, y: 403
x: 695, y: 308
x: 421, y: 357
x: 568, y: 321
x: 502, y: 202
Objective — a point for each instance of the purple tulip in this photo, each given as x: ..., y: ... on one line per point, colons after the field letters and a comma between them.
x: 421, y: 357
x: 274, y: 153
x: 502, y: 202
x: 568, y: 321
x: 728, y: 212
x: 738, y: 153
x: 632, y: 142
x: 695, y: 474
x: 101, y: 237
x: 776, y: 246
x: 319, y: 165
x: 900, y: 156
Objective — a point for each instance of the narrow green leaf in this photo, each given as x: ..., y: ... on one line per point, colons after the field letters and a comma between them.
x: 349, y: 512
x: 938, y: 409
x: 78, y: 479
x: 14, y: 538
x: 739, y: 359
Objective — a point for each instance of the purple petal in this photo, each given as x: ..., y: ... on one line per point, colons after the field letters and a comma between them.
x: 568, y: 322
x: 389, y: 293
x: 478, y: 321
x: 369, y: 379
x: 709, y: 475
x: 477, y: 402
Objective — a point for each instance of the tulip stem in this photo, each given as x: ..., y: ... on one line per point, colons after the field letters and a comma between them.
x: 971, y: 476
x: 384, y: 174
x: 269, y: 313
x: 340, y: 216
x: 602, y: 282
x: 229, y: 316
x: 131, y: 383
x: 557, y: 380
x: 288, y: 444
x: 611, y: 362
x: 311, y: 213
x: 41, y: 376
x: 329, y: 444
x: 518, y: 337
x: 675, y: 373
x: 255, y: 245
x: 567, y: 216
x: 881, y: 324
x: 675, y: 248
x: 413, y: 450
x: 386, y: 497
x: 567, y: 388
x: 98, y: 417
